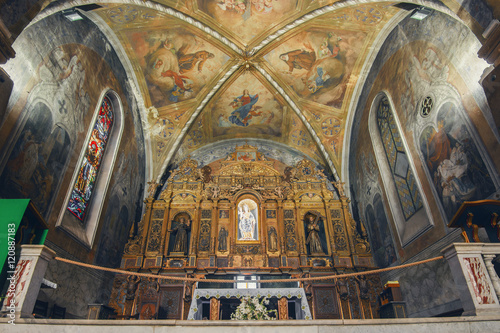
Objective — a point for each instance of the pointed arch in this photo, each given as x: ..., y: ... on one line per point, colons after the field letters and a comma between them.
x: 403, y: 189
x: 85, y: 198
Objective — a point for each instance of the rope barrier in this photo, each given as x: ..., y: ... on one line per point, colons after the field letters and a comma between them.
x: 177, y: 278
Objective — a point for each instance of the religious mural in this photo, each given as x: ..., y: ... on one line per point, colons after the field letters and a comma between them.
x: 380, y: 235
x: 114, y: 233
x: 247, y: 106
x: 175, y: 63
x: 317, y: 63
x: 248, y: 220
x: 246, y: 19
x: 453, y: 161
x: 37, y: 160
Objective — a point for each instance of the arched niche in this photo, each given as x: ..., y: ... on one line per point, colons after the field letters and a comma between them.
x: 180, y: 234
x: 315, y: 233
x: 248, y: 219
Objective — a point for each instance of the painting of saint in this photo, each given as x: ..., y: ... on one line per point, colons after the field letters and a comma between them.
x: 453, y: 161
x: 272, y: 239
x: 37, y: 160
x: 247, y: 106
x: 324, y: 70
x: 248, y: 220
x: 175, y: 63
x: 244, y: 109
x: 167, y: 68
x: 223, y: 214
x: 317, y: 63
x: 222, y: 240
x: 271, y: 214
x: 246, y: 156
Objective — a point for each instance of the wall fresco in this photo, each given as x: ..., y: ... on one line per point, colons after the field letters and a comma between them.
x: 38, y: 159
x: 381, y: 241
x: 453, y: 161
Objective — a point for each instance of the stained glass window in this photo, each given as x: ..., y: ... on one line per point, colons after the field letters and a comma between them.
x: 406, y: 186
x: 82, y: 190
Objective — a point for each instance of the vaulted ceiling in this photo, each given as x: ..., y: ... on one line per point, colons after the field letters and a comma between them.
x: 287, y: 71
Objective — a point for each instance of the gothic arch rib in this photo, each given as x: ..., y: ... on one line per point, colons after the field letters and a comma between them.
x: 242, y: 56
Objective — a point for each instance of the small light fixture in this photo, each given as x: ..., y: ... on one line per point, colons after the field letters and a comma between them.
x: 421, y: 13
x: 72, y: 15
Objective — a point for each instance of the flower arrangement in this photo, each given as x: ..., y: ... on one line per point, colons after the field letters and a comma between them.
x: 251, y: 309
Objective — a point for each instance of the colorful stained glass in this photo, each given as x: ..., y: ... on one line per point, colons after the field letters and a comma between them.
x: 406, y: 186
x: 82, y: 191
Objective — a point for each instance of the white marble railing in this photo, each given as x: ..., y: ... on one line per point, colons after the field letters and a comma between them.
x: 207, y: 294
x: 475, y: 277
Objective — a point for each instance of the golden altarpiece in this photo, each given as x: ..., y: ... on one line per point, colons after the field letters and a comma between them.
x: 245, y: 215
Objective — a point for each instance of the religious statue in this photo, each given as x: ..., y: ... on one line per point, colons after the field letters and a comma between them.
x: 132, y: 282
x: 364, y: 289
x: 313, y: 239
x: 340, y: 187
x: 215, y: 192
x: 279, y: 191
x: 246, y: 222
x: 222, y: 240
x: 205, y: 174
x: 273, y: 239
x: 153, y: 185
x: 342, y: 289
x: 181, y: 239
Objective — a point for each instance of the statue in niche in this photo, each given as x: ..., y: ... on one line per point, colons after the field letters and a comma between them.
x: 181, y: 239
x: 342, y: 289
x: 313, y: 239
x: 222, y: 240
x: 273, y: 239
x: 132, y: 282
x: 364, y: 289
x: 247, y: 220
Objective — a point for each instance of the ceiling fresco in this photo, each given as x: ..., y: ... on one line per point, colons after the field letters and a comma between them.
x: 247, y: 108
x: 283, y: 71
x: 174, y: 63
x: 317, y: 63
x: 247, y: 20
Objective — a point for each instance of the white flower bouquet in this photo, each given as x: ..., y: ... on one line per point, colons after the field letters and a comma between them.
x: 251, y: 309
